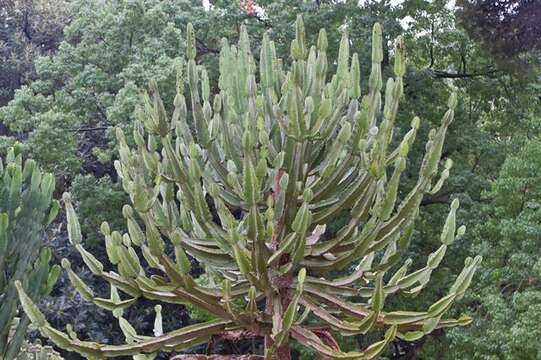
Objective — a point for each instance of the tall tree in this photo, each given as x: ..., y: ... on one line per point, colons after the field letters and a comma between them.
x: 509, y: 29
x: 507, y: 300
x: 28, y: 29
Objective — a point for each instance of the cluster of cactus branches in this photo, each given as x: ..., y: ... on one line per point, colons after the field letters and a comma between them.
x: 26, y: 208
x: 37, y: 351
x: 246, y: 181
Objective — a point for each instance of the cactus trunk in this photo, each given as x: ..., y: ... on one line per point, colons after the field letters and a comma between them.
x: 283, y: 297
x: 283, y: 352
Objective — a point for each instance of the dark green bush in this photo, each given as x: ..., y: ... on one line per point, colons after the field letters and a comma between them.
x: 98, y: 200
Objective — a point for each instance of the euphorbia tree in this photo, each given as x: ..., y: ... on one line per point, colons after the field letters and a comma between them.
x: 247, y: 186
x: 26, y: 209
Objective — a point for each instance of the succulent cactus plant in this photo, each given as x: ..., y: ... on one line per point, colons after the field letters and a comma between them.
x: 32, y: 351
x: 246, y: 182
x: 37, y: 351
x: 26, y: 208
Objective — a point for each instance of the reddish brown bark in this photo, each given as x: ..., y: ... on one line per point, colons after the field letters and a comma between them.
x: 327, y: 338
x: 282, y: 353
x: 282, y: 283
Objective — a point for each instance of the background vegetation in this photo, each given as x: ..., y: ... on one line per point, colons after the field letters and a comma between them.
x: 70, y: 71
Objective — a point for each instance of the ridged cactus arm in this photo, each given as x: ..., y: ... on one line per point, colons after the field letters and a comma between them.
x: 266, y: 65
x: 309, y: 337
x: 407, y: 141
x: 393, y: 93
x: 355, y: 77
x: 190, y: 335
x: 342, y: 73
x: 375, y: 80
x: 131, y: 278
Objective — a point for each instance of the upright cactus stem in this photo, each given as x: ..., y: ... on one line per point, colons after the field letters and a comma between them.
x: 248, y: 185
x: 26, y: 209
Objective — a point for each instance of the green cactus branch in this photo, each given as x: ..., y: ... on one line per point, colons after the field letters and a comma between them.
x: 26, y: 209
x: 246, y: 181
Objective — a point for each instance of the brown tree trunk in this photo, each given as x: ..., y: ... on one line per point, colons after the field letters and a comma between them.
x: 282, y: 283
x: 282, y: 353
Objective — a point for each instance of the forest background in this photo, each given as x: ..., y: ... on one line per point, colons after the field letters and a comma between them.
x: 73, y: 70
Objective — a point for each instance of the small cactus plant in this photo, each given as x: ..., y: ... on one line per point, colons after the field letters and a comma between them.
x: 26, y: 208
x: 246, y: 183
x: 32, y: 350
x: 37, y: 351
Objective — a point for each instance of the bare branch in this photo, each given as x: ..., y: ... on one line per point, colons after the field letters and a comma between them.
x: 441, y: 198
x: 97, y: 128
x: 447, y: 75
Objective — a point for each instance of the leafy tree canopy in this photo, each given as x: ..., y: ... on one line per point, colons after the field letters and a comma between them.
x: 509, y: 29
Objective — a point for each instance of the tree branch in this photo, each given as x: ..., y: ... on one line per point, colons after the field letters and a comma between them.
x: 204, y: 49
x: 90, y: 129
x: 431, y: 50
x: 265, y: 22
x: 447, y: 75
x: 442, y: 198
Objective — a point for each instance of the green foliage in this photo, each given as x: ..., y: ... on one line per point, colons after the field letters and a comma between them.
x: 6, y: 143
x: 109, y: 49
x: 52, y: 145
x: 507, y: 29
x: 49, y: 141
x: 20, y: 115
x: 26, y: 208
x: 29, y: 29
x: 303, y: 353
x: 507, y: 299
x: 312, y: 148
x: 495, y: 115
x: 98, y: 200
x: 106, y: 49
x: 36, y: 351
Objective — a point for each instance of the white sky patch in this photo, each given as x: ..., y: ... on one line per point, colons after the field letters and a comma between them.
x: 450, y: 4
x: 206, y: 4
x: 406, y: 21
